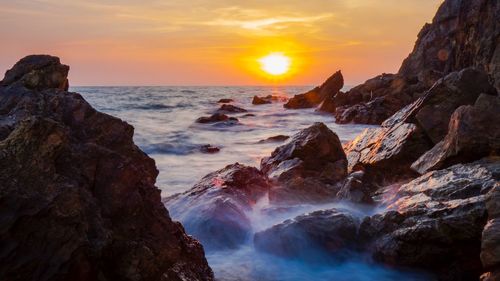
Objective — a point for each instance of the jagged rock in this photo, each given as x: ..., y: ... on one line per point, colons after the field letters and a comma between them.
x: 217, y: 205
x: 462, y: 34
x: 277, y: 138
x: 355, y: 189
x: 317, y: 95
x: 225, y: 101
x: 474, y: 132
x: 311, y: 236
x: 228, y: 108
x: 77, y: 196
x: 490, y: 242
x: 437, y: 221
x: 308, y: 168
x: 38, y: 72
x: 216, y: 117
x: 261, y: 100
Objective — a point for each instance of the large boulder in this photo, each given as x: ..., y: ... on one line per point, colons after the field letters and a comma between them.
x: 307, y: 168
x: 463, y: 33
x: 316, y: 96
x: 77, y: 196
x: 215, y: 209
x: 474, y: 132
x: 436, y: 221
x: 312, y: 236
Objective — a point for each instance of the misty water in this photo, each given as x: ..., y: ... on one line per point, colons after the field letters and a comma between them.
x: 164, y: 117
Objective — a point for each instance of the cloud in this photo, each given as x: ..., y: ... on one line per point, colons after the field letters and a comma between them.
x: 263, y: 23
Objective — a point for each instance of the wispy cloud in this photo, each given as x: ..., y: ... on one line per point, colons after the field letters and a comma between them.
x: 259, y: 24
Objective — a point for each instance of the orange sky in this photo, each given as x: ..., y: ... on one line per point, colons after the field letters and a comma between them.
x: 213, y: 42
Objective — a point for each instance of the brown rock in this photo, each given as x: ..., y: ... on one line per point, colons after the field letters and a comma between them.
x: 216, y: 117
x: 78, y: 200
x: 317, y: 95
x: 258, y: 100
x: 228, y: 108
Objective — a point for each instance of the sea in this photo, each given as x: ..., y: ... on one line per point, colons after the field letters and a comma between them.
x: 165, y: 128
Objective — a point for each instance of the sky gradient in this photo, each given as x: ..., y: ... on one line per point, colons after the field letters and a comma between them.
x: 213, y: 42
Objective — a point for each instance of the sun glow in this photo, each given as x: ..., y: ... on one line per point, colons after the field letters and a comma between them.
x: 275, y: 64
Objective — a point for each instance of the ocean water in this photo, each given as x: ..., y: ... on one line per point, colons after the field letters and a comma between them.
x: 165, y: 128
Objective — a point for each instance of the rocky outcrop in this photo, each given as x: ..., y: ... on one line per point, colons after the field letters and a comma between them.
x: 261, y: 100
x: 77, y: 196
x: 317, y: 95
x: 437, y: 221
x: 474, y: 132
x: 217, y: 117
x: 462, y: 34
x: 490, y: 242
x: 218, y: 205
x: 307, y: 168
x: 228, y: 109
x: 312, y: 236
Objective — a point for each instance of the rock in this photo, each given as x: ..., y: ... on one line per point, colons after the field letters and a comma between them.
x: 225, y: 101
x: 317, y: 95
x: 385, y: 154
x: 436, y: 222
x: 209, y: 149
x: 355, y: 189
x: 311, y: 236
x: 277, y: 138
x: 228, y: 108
x: 218, y: 205
x: 248, y: 115
x: 38, y: 72
x: 216, y: 117
x: 474, y: 132
x: 259, y: 100
x: 78, y: 200
x: 308, y: 167
x: 462, y: 34
x: 490, y: 242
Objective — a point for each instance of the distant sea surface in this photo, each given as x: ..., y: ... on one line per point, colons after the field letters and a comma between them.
x: 165, y: 128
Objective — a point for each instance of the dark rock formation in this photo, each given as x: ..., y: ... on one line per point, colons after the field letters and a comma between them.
x: 261, y: 100
x: 217, y: 205
x: 437, y: 221
x: 317, y: 95
x: 277, y: 138
x: 228, y: 108
x: 474, y: 132
x: 77, y: 196
x: 355, y: 189
x: 307, y: 168
x: 208, y: 148
x: 330, y: 233
x: 216, y: 117
x: 225, y: 101
x: 490, y: 243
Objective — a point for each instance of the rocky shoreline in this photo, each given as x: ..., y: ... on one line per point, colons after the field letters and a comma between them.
x: 79, y: 201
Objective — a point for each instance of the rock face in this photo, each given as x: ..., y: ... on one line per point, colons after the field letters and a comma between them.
x: 77, y: 197
x: 490, y: 243
x: 308, y: 167
x: 218, y: 205
x: 410, y: 132
x: 311, y: 236
x: 317, y: 95
x: 462, y: 34
x: 437, y: 221
x: 474, y: 132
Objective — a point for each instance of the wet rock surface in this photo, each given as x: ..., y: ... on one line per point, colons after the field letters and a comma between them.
x: 225, y: 101
x: 78, y: 200
x: 217, y: 117
x: 317, y: 95
x: 261, y: 100
x: 309, y: 167
x: 218, y: 204
x: 277, y: 138
x: 436, y: 222
x: 228, y: 109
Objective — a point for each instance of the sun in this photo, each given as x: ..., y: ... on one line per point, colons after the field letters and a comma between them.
x: 275, y: 64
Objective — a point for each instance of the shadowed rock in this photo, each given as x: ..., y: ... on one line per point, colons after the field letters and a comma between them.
x: 77, y: 196
x: 225, y: 101
x: 228, y: 108
x: 474, y: 132
x: 308, y: 168
x: 277, y: 138
x: 216, y: 117
x: 317, y: 95
x: 261, y: 100
x: 490, y: 243
x: 218, y: 204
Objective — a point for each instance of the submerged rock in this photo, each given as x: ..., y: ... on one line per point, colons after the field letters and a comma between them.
x: 317, y: 95
x: 78, y: 200
x: 217, y: 205
x: 225, y: 101
x: 437, y: 221
x: 277, y: 138
x: 312, y: 237
x: 474, y: 132
x: 308, y: 168
x: 208, y: 148
x: 216, y: 117
x: 228, y: 108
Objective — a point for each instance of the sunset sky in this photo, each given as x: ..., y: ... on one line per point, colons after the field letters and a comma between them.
x: 213, y: 42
